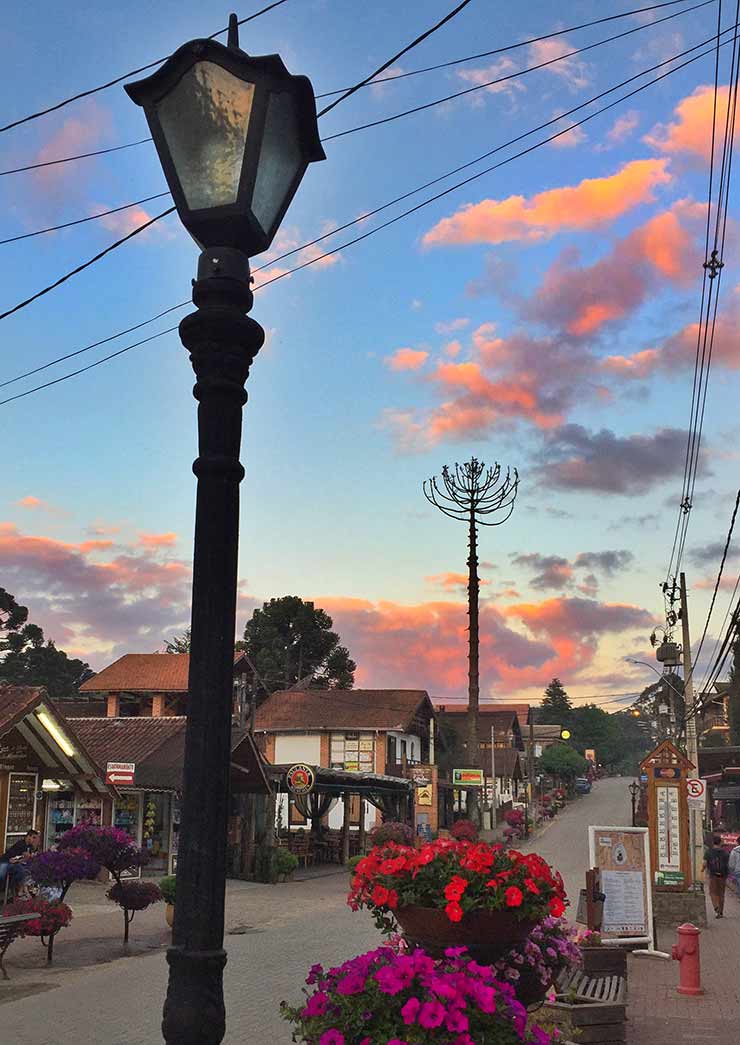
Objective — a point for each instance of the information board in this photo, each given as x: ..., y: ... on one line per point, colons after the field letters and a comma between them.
x: 622, y: 857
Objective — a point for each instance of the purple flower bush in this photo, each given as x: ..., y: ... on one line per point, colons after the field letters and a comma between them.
x: 62, y: 867
x: 132, y: 897
x: 551, y: 947
x: 389, y: 998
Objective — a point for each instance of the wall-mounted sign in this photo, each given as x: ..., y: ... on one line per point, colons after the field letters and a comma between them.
x: 120, y: 773
x: 424, y: 795
x: 300, y: 779
x: 469, y: 777
x: 621, y: 856
x: 590, y: 755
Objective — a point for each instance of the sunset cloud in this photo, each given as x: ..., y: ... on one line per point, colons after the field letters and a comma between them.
x: 574, y: 458
x: 407, y: 359
x: 93, y: 606
x: 452, y: 581
x: 574, y: 72
x: 157, y: 540
x: 498, y: 70
x: 550, y: 571
x: 690, y: 133
x: 592, y: 203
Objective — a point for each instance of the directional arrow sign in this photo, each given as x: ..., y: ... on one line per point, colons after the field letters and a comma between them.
x: 120, y: 773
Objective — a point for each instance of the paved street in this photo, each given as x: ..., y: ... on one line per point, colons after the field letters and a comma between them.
x: 277, y: 932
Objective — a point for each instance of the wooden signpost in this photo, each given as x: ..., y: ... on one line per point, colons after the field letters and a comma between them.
x: 667, y: 770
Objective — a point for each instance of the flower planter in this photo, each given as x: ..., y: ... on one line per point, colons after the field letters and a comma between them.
x: 530, y: 990
x: 486, y: 934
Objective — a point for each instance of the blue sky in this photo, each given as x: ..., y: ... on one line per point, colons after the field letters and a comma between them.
x: 539, y: 316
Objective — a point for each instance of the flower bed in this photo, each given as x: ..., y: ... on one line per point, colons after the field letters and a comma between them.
x: 409, y: 999
x: 459, y: 877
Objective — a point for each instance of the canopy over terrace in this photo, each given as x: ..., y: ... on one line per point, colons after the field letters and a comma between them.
x: 392, y: 796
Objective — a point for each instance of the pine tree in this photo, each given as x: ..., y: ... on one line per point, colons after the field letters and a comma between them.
x: 556, y: 707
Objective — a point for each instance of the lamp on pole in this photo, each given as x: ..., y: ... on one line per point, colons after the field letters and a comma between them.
x: 234, y: 135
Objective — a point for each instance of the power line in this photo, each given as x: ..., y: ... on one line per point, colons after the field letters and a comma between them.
x: 525, y: 43
x: 81, y: 221
x: 133, y: 72
x: 712, y: 270
x: 504, y: 79
x: 362, y: 218
x: 409, y: 47
x: 428, y: 105
x: 84, y: 265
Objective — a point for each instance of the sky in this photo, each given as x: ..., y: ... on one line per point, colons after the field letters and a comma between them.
x: 541, y: 315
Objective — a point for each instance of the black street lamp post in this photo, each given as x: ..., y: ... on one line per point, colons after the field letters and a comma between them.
x: 235, y: 135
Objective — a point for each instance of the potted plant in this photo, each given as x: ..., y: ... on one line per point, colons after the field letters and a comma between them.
x: 464, y: 830
x: 168, y: 888
x: 287, y: 863
x: 532, y: 968
x: 450, y: 893
x: 132, y: 896
x: 410, y: 999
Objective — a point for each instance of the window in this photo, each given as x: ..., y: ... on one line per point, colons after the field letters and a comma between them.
x: 392, y: 750
x: 354, y: 752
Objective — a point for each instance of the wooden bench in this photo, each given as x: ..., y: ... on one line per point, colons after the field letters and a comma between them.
x: 594, y: 1005
x: 10, y: 928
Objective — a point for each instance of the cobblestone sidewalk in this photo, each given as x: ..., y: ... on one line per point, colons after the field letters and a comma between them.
x: 658, y: 1015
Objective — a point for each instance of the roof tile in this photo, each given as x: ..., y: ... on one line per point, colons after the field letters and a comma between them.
x: 142, y: 672
x: 385, y: 709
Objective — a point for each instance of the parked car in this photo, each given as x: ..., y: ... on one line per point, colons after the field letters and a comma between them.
x: 583, y: 785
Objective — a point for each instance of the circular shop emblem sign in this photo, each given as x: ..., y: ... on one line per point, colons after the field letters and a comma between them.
x: 301, y: 779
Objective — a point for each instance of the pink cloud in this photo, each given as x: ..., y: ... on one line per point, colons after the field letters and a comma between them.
x: 690, y: 133
x: 407, y: 359
x: 591, y: 203
x: 452, y: 581
x: 622, y: 128
x: 453, y: 326
x: 157, y: 540
x: 573, y: 71
x: 84, y: 132
x: 31, y: 502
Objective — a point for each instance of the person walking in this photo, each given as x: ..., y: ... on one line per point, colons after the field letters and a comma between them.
x: 733, y: 867
x: 716, y: 864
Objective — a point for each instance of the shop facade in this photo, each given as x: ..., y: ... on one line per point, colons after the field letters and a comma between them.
x: 48, y: 781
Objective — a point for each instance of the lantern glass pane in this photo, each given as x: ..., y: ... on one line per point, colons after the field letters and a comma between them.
x: 280, y: 161
x: 205, y: 120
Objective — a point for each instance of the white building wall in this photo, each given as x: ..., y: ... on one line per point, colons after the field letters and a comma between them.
x: 291, y: 748
x: 413, y: 745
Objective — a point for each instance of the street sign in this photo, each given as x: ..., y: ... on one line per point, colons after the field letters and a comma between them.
x: 470, y: 777
x: 696, y: 790
x: 121, y: 773
x: 300, y: 779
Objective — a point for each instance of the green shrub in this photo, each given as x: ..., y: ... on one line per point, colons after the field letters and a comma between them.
x: 352, y: 864
x: 286, y: 861
x: 167, y: 888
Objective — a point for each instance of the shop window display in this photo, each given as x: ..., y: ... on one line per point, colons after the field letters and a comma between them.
x: 61, y: 815
x: 156, y: 832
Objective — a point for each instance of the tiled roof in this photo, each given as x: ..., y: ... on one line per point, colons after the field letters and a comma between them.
x: 547, y: 732
x: 506, y: 761
x: 133, y: 739
x: 317, y: 709
x: 460, y: 708
x: 142, y: 672
x: 15, y: 704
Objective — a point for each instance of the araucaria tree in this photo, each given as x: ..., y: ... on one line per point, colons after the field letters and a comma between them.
x: 478, y: 496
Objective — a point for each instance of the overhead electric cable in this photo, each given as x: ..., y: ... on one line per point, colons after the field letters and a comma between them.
x: 669, y: 62
x: 132, y: 72
x: 530, y: 40
x: 408, y: 112
x: 85, y: 264
x: 498, y: 80
x: 81, y: 221
x: 409, y: 47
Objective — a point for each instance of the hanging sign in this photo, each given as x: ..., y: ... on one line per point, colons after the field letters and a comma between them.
x: 621, y: 855
x: 300, y: 779
x: 120, y: 773
x: 470, y: 777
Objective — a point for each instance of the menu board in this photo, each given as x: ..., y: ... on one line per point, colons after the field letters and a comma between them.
x: 669, y: 828
x: 21, y: 803
x: 621, y: 856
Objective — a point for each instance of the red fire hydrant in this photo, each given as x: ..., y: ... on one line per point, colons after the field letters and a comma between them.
x: 686, y: 951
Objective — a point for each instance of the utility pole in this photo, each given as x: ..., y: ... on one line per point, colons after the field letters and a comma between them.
x: 494, y: 801
x: 692, y: 747
x: 530, y: 768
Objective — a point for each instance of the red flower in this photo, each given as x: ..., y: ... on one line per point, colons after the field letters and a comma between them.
x: 455, y: 888
x: 380, y: 895
x: 454, y: 911
x: 513, y: 896
x: 557, y: 907
x: 532, y: 886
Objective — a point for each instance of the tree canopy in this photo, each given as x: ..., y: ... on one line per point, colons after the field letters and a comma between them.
x: 178, y: 643
x: 28, y: 660
x: 560, y: 760
x: 556, y: 707
x: 290, y: 641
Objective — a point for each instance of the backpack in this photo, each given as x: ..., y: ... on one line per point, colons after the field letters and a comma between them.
x: 717, y: 861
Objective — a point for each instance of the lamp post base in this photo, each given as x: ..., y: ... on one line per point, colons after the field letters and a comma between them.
x: 194, y: 1012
